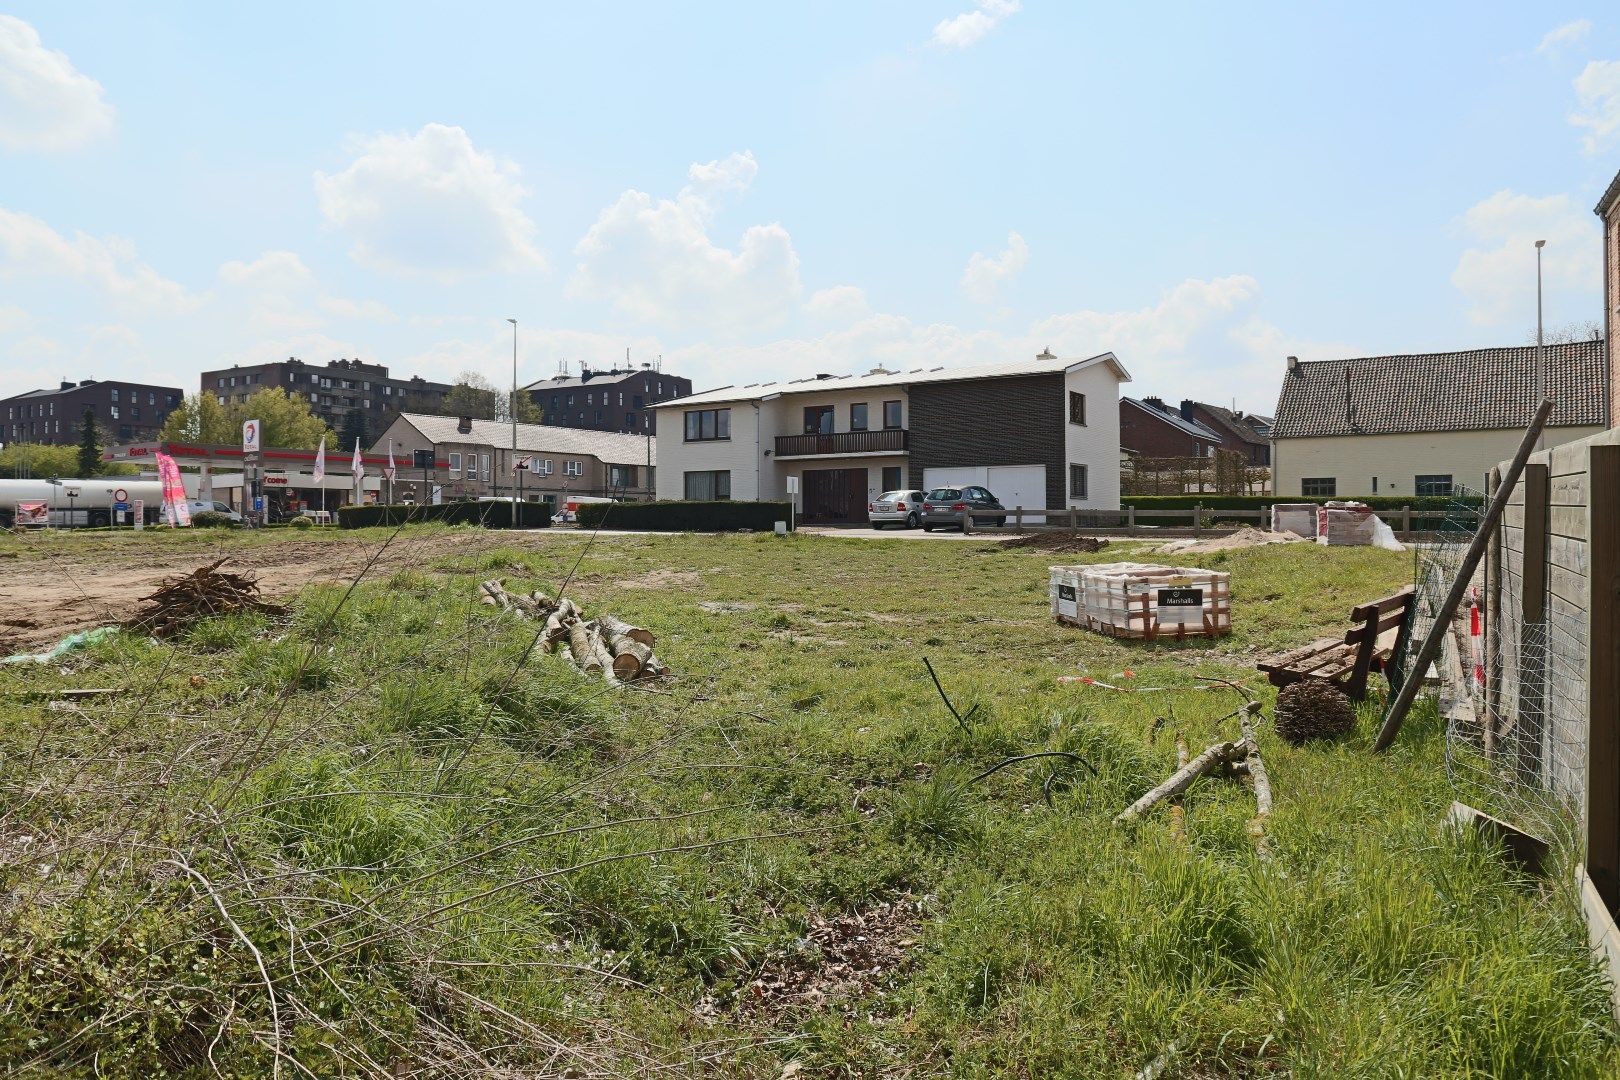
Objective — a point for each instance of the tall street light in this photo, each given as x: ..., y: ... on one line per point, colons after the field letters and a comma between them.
x: 517, y: 505
x: 1541, y: 347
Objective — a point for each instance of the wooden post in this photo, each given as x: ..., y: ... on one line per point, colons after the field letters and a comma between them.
x: 1018, y: 518
x: 1130, y: 516
x: 1430, y: 649
x: 1406, y: 520
x: 1603, y: 673
x: 1198, y: 517
x: 1491, y: 644
x: 1532, y: 600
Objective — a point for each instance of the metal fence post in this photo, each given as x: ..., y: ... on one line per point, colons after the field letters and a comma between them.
x: 1198, y: 518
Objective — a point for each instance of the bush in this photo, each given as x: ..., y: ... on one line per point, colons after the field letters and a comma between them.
x: 301, y: 522
x: 679, y: 515
x: 211, y: 519
x: 491, y: 515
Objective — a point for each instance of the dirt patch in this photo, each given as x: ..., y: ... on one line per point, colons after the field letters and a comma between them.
x: 724, y: 607
x: 838, y: 962
x: 661, y: 579
x: 1060, y: 543
x: 1248, y: 536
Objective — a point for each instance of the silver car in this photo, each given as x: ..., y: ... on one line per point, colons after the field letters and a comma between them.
x: 902, y: 508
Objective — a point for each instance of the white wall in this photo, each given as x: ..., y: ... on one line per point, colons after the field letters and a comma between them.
x: 1096, y: 444
x: 743, y: 455
x: 1353, y: 460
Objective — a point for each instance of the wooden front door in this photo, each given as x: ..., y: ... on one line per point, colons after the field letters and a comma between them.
x: 835, y: 495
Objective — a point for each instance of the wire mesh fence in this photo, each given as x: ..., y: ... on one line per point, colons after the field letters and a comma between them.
x: 1515, y: 738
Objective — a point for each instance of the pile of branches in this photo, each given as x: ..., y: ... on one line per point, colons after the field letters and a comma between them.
x: 606, y: 646
x: 186, y: 599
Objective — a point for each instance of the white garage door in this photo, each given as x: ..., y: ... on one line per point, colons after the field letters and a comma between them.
x: 1014, y: 485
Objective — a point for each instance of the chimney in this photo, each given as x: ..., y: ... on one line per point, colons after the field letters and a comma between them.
x: 1155, y: 402
x: 464, y: 425
x: 1293, y: 362
x: 66, y: 385
x: 1046, y: 354
x: 1187, y: 408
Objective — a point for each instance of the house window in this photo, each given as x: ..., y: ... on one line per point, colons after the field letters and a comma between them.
x: 455, y: 464
x: 598, y: 416
x: 857, y: 416
x: 1432, y: 484
x: 892, y: 478
x: 1319, y: 485
x: 113, y: 411
x: 621, y: 399
x: 891, y: 415
x: 573, y: 468
x: 1077, y: 408
x: 221, y: 382
x: 635, y: 401
x: 1079, y: 487
x: 553, y: 402
x: 708, y: 486
x: 623, y: 476
x: 818, y: 420
x: 115, y: 393
x: 705, y: 424
x: 589, y: 399
x: 485, y: 459
x: 629, y: 421
x: 545, y: 467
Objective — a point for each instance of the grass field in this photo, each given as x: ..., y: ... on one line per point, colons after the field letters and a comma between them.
x: 386, y: 837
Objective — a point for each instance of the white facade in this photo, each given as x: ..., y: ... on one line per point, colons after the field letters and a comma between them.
x: 768, y: 442
x: 1390, y: 464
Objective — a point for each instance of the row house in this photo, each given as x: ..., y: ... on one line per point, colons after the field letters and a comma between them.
x: 1038, y: 433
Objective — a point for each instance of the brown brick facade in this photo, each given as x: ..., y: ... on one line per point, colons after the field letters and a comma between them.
x: 1147, y: 432
x: 1009, y: 421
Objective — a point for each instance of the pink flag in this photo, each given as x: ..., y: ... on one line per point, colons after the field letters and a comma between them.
x: 175, y: 510
x: 320, y: 461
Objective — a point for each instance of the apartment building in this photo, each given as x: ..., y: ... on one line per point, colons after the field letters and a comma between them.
x: 124, y: 411
x: 618, y: 399
x: 357, y: 399
x: 1038, y: 433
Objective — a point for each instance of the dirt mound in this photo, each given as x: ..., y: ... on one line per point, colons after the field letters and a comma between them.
x: 1061, y: 543
x: 1248, y: 536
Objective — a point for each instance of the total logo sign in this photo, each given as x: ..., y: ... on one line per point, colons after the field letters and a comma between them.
x: 250, y: 437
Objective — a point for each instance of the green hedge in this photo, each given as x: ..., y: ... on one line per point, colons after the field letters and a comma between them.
x: 1255, y: 502
x: 683, y: 516
x: 491, y: 515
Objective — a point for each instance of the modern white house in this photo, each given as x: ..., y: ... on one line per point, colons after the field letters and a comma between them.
x: 1038, y: 433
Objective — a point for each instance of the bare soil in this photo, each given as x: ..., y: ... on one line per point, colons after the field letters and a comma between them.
x: 89, y: 580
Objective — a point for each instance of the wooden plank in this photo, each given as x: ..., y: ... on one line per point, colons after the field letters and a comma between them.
x: 1601, y: 932
x: 1603, y: 678
x: 1513, y: 516
x: 1529, y: 853
x: 1569, y: 490
x: 1570, y: 554
x: 1533, y: 583
x: 1402, y: 600
x: 1566, y: 459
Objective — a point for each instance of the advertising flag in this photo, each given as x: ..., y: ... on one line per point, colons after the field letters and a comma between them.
x: 320, y: 462
x: 359, y: 469
x: 250, y: 437
x: 175, y: 510
x: 389, y: 471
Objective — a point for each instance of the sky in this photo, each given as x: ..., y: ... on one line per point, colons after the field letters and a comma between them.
x: 752, y: 191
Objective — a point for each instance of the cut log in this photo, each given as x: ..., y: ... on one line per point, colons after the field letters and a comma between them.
x: 495, y: 591
x: 542, y: 601
x: 582, y: 646
x: 1216, y: 754
x: 616, y: 628
x: 630, y: 658
x: 1261, y: 780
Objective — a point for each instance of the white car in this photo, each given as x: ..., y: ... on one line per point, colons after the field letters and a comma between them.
x: 902, y: 508
x: 198, y: 506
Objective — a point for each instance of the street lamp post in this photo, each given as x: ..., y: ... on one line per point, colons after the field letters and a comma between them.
x: 1541, y: 347
x: 517, y: 505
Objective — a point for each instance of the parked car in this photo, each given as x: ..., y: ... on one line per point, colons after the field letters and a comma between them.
x: 947, y: 506
x: 903, y: 508
x: 202, y: 506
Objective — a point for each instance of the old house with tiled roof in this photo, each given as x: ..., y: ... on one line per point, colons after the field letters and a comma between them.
x: 1419, y: 424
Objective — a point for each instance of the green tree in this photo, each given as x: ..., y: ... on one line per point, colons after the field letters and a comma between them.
x: 355, y: 429
x: 472, y: 395
x: 89, y: 445
x: 522, y: 405
x: 28, y: 461
x: 284, y: 419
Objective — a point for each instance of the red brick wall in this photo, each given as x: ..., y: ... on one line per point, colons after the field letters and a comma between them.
x: 1142, y: 433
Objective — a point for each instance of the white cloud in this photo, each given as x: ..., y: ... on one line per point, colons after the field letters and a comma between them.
x: 29, y: 248
x: 13, y: 319
x: 986, y: 274
x: 1568, y: 34
x: 838, y: 303
x: 1202, y: 338
x: 343, y: 308
x: 274, y: 271
x: 431, y: 203
x: 45, y: 103
x: 1498, y: 274
x: 1597, y: 88
x: 961, y: 31
x: 654, y: 260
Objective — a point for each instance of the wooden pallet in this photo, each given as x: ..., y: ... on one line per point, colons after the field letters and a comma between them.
x: 1380, y: 630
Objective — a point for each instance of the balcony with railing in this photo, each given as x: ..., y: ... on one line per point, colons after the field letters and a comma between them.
x: 885, y: 441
